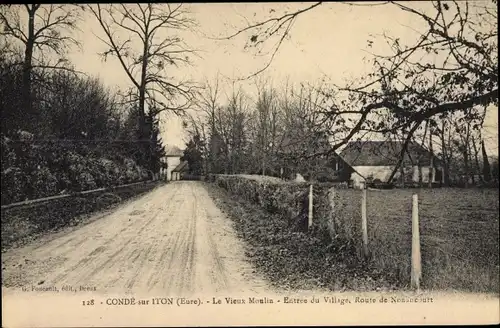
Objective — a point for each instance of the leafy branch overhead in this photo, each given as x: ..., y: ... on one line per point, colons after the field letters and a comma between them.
x: 450, y: 67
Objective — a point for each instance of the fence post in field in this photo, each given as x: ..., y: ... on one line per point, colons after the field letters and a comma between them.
x: 364, y: 225
x: 416, y: 265
x: 310, y: 214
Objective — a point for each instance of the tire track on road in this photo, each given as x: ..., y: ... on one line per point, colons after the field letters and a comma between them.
x: 174, y: 240
x: 129, y: 247
x: 82, y: 272
x: 189, y: 268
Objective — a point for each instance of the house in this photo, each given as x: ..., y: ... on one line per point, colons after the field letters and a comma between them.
x: 173, y: 156
x: 179, y: 171
x: 163, y: 167
x: 375, y: 160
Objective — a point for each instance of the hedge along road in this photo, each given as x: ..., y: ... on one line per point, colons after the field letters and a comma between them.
x: 173, y: 240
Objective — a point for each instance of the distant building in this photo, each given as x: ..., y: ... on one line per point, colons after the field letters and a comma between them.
x: 179, y: 171
x: 173, y: 159
x: 375, y: 160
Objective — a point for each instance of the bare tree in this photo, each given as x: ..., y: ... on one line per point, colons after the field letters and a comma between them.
x: 301, y: 128
x: 266, y: 122
x: 151, y: 45
x: 145, y: 40
x: 40, y: 31
x: 202, y: 121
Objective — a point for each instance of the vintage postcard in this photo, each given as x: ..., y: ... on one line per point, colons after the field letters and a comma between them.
x: 228, y: 164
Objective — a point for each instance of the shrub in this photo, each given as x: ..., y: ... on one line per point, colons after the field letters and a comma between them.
x: 272, y: 194
x: 107, y: 199
x: 31, y: 170
x: 44, y: 183
x: 13, y: 185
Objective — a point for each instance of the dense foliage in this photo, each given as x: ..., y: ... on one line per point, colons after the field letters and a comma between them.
x: 84, y: 139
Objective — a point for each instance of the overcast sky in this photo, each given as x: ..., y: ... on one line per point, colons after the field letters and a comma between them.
x: 329, y: 41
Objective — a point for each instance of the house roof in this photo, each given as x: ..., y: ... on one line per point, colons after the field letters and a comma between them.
x: 384, y: 153
x: 182, y: 167
x: 173, y: 151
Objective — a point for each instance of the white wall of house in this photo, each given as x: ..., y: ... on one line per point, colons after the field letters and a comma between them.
x: 172, y: 162
x: 357, y: 180
x: 175, y: 176
x: 378, y: 172
x: 384, y: 172
x: 425, y: 174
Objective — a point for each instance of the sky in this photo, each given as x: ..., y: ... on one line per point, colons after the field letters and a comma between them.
x: 328, y: 42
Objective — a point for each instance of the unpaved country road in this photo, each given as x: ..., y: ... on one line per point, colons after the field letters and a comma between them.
x: 172, y: 240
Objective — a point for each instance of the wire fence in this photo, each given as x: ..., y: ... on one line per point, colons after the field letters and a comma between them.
x: 457, y: 232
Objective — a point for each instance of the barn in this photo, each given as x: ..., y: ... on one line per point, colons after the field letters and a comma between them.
x: 375, y: 160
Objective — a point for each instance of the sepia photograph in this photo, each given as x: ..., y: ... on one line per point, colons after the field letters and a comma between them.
x: 249, y: 163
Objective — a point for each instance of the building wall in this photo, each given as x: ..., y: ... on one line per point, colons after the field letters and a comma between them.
x: 378, y: 172
x: 172, y: 162
x: 175, y: 176
x: 425, y: 174
x: 384, y: 172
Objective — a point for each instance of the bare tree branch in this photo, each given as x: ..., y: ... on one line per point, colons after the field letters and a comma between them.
x: 144, y: 23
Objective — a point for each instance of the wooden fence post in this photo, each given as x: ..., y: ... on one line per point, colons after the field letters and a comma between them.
x: 310, y: 214
x: 332, y: 205
x: 416, y: 265
x: 364, y: 224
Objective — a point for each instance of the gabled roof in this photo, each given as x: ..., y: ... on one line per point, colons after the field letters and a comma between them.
x: 384, y: 153
x: 182, y: 167
x: 173, y: 151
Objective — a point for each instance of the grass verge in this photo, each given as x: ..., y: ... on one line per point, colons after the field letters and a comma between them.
x: 297, y: 260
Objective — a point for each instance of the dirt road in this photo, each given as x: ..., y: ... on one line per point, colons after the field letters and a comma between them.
x: 173, y: 239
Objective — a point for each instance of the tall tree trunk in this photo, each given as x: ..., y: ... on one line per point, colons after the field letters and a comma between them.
x: 263, y: 163
x: 431, y: 162
x: 466, y: 166
x: 143, y: 126
x: 402, y: 173
x: 476, y: 160
x: 27, y: 96
x: 445, y: 156
x: 420, y: 175
x: 401, y: 154
x: 466, y: 154
x: 486, y: 164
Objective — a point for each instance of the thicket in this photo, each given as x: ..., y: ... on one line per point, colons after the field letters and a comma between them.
x: 84, y: 136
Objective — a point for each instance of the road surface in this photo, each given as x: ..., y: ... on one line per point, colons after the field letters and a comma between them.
x: 172, y: 240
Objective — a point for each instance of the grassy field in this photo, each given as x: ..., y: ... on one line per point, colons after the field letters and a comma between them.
x: 459, y: 236
x: 459, y: 231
